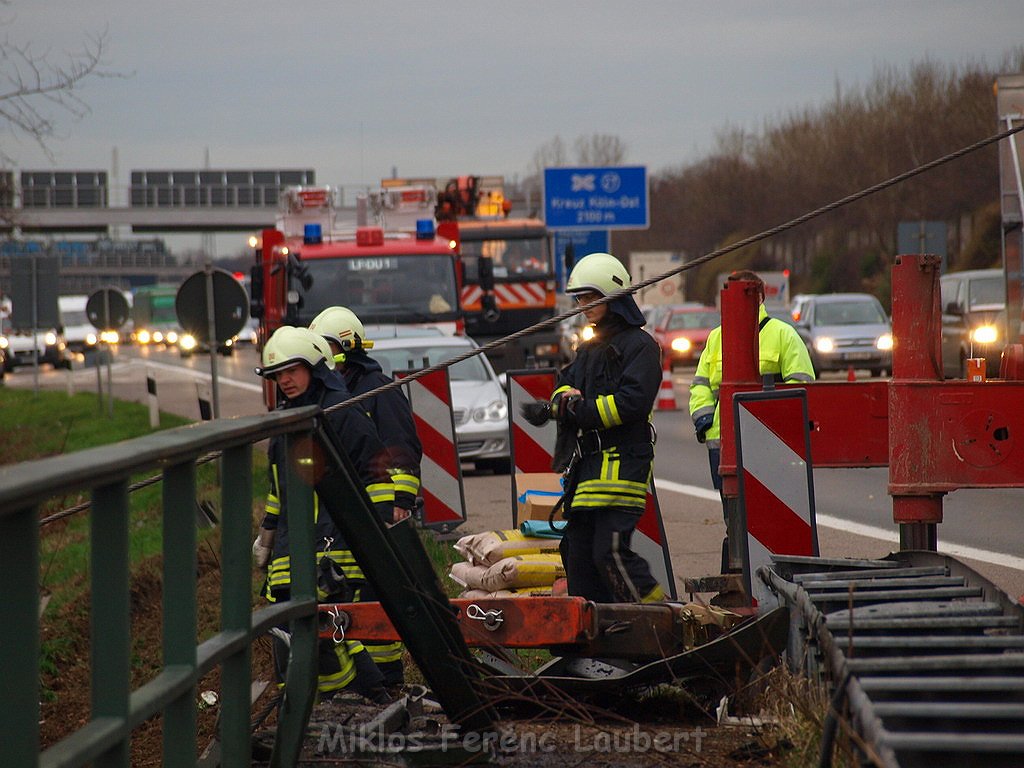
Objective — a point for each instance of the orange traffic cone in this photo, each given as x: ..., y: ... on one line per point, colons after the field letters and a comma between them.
x: 667, y: 391
x: 850, y: 375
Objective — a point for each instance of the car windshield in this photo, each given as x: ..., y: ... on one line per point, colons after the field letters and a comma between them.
x: 849, y: 313
x: 76, y: 317
x: 986, y: 292
x: 688, y: 321
x: 415, y: 358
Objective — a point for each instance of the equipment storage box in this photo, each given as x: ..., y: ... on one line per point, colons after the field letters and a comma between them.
x: 538, y: 492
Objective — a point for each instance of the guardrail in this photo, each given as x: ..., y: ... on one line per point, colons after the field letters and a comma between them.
x: 117, y: 710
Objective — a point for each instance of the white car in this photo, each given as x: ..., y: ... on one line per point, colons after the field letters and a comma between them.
x: 479, y: 404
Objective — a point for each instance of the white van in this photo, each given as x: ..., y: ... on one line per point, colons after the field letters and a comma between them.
x: 79, y: 333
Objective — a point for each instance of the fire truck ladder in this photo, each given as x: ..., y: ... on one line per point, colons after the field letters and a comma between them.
x: 926, y: 655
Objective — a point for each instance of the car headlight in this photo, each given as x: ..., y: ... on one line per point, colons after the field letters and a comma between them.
x: 884, y: 342
x: 172, y: 337
x: 111, y: 337
x: 142, y: 337
x: 157, y: 337
x: 3, y: 342
x: 187, y: 342
x: 824, y: 344
x: 50, y: 338
x: 985, y: 334
x: 496, y: 410
x: 587, y: 333
x: 681, y: 344
x: 90, y: 339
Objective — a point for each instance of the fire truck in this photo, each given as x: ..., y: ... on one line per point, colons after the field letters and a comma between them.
x: 508, y: 280
x: 308, y: 263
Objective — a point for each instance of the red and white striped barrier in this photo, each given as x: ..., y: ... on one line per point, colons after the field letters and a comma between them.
x: 650, y: 541
x: 773, y: 463
x: 532, y: 450
x: 444, y: 504
x: 508, y: 295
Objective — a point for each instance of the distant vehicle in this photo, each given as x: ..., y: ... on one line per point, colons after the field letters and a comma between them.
x: 20, y: 350
x: 973, y: 319
x: 682, y: 332
x: 479, y: 404
x: 846, y: 330
x: 153, y: 316
x: 796, y: 307
x: 80, y: 334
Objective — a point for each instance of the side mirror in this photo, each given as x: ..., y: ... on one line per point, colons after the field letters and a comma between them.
x: 503, y: 380
x: 953, y: 309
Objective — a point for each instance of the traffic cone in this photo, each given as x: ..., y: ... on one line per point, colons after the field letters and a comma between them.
x: 850, y: 375
x: 667, y: 391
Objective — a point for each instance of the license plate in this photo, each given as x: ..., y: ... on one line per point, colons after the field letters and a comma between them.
x: 858, y: 355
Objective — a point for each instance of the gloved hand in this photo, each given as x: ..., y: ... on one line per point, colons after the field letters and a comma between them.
x: 537, y: 413
x: 262, y: 548
x: 567, y: 409
x: 702, y: 425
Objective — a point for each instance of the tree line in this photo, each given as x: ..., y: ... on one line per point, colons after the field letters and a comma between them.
x: 807, y: 158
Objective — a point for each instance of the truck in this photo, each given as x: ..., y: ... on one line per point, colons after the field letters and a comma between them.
x: 154, y: 320
x: 508, y: 271
x: 398, y: 279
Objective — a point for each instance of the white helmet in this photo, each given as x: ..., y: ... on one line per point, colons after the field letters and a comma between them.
x: 289, y: 345
x: 598, y: 272
x: 340, y: 325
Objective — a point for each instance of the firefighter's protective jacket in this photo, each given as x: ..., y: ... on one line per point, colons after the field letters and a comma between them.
x: 781, y: 351
x: 392, y: 414
x: 619, y: 373
x: 356, y: 433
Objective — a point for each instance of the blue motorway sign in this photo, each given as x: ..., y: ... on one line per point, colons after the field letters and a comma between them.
x: 583, y: 241
x: 596, y: 198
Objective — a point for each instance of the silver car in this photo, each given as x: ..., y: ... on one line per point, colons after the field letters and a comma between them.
x: 846, y: 330
x: 479, y: 405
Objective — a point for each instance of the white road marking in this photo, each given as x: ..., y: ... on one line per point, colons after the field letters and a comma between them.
x: 867, y: 531
x: 197, y: 374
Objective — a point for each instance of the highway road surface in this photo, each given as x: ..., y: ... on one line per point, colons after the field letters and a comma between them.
x: 854, y: 512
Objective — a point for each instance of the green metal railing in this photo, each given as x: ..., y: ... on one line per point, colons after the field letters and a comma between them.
x: 116, y: 709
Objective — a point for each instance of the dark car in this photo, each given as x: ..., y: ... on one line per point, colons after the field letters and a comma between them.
x: 846, y: 330
x: 682, y: 332
x: 973, y: 319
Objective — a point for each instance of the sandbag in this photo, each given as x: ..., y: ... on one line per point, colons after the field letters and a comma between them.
x: 540, y: 570
x: 491, y: 547
x: 467, y: 575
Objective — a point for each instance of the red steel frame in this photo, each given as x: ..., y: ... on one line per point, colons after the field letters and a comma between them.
x: 935, y: 436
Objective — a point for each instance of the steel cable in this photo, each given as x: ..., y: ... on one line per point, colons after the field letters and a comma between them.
x: 693, y: 264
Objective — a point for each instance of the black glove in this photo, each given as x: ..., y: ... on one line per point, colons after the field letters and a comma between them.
x: 537, y: 413
x: 567, y: 410
x: 702, y: 425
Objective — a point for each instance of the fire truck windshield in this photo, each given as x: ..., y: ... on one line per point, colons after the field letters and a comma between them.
x: 383, y: 289
x: 512, y: 257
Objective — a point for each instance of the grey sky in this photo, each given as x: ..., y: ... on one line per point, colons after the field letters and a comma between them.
x: 446, y: 88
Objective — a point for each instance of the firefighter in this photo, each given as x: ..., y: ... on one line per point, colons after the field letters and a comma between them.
x: 301, y: 364
x: 783, y: 355
x: 392, y: 415
x: 606, y: 395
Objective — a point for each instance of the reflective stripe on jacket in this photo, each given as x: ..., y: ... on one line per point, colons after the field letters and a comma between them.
x: 618, y: 373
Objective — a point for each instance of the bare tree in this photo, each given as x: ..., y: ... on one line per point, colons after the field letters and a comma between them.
x: 600, y: 149
x: 35, y: 88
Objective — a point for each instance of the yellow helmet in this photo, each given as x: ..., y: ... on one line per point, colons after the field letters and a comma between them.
x: 289, y: 345
x: 598, y: 272
x: 340, y: 325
